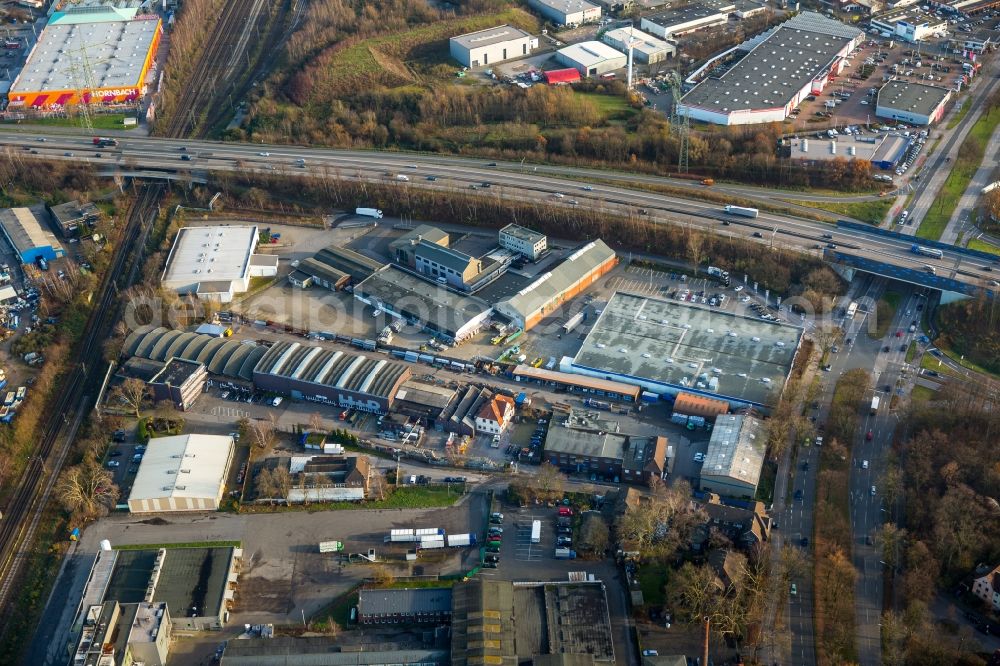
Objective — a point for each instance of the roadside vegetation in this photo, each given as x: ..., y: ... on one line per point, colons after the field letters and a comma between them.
x: 872, y: 212
x: 950, y: 526
x: 970, y: 158
x: 834, y: 573
x: 783, y: 272
x: 983, y: 246
x: 380, y: 76
x: 885, y: 310
x: 971, y: 328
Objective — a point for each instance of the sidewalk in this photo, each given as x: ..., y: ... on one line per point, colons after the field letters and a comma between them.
x: 961, y: 217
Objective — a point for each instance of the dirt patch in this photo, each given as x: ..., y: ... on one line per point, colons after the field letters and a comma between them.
x: 155, y: 521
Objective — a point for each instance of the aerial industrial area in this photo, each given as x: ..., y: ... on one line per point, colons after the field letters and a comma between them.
x: 554, y: 332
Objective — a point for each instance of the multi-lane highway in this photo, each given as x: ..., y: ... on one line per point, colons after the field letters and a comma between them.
x: 583, y: 188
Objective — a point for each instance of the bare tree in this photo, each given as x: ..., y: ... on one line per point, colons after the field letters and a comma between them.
x: 549, y: 484
x: 282, y: 479
x: 382, y: 576
x: 264, y: 485
x: 87, y: 489
x: 316, y: 422
x: 262, y: 432
x: 594, y: 534
x: 131, y: 393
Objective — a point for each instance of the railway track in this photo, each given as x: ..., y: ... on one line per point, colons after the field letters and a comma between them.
x: 24, y: 511
x: 219, y: 61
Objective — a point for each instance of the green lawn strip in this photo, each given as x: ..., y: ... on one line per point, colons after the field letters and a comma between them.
x: 614, y: 107
x: 765, y: 488
x: 100, y: 121
x: 408, y: 497
x: 872, y: 212
x: 983, y: 246
x: 972, y: 151
x: 652, y: 578
x: 962, y: 112
x: 930, y: 362
x: 922, y: 394
x: 183, y: 544
x: 911, y: 351
x: 966, y: 363
x: 884, y: 313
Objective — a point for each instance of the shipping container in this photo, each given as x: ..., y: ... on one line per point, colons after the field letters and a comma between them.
x: 460, y: 540
x: 565, y: 554
x: 742, y: 211
x: 429, y: 531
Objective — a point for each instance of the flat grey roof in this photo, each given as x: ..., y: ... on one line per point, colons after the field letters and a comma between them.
x: 911, y: 14
x: 810, y: 148
x: 421, y: 231
x: 413, y: 297
x: 687, y: 13
x: 444, y: 256
x: 916, y: 98
x: 592, y: 444
x: 116, y: 51
x: 566, y: 6
x: 320, y: 651
x: 404, y: 601
x: 176, y: 372
x: 522, y: 233
x: 25, y: 232
x: 194, y: 577
x: 776, y: 68
x: 736, y: 449
x: 490, y: 36
x: 681, y: 345
x: 430, y: 395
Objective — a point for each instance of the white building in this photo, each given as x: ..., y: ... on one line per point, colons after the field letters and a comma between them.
x: 567, y: 12
x: 490, y: 46
x: 986, y: 586
x: 182, y: 473
x: 495, y: 416
x: 913, y: 103
x: 591, y: 58
x: 216, y: 262
x: 910, y: 24
x: 735, y: 457
x: 685, y: 19
x: 646, y: 49
x: 525, y: 242
x: 780, y: 69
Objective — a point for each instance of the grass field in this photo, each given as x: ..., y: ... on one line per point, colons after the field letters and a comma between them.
x: 983, y: 246
x: 973, y: 149
x: 872, y: 212
x: 652, y: 579
x: 911, y: 352
x: 931, y: 362
x: 921, y: 394
x: 612, y: 107
x: 101, y: 121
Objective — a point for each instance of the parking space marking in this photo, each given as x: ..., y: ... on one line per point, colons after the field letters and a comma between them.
x: 230, y: 411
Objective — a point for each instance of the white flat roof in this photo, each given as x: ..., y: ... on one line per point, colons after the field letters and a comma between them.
x: 490, y: 36
x: 183, y: 466
x: 589, y: 54
x: 116, y: 51
x: 210, y: 254
x: 641, y: 41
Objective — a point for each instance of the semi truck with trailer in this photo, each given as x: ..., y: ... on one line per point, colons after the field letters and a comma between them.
x: 927, y: 251
x: 742, y: 211
x: 460, y: 540
x: 369, y: 212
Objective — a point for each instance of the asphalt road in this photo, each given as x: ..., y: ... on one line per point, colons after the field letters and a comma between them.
x: 509, y: 181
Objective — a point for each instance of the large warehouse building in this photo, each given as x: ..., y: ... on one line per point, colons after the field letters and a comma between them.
x: 646, y: 49
x: 913, y: 103
x: 438, y: 310
x: 735, y: 457
x: 216, y: 262
x: 25, y: 233
x: 182, y: 473
x: 348, y: 380
x: 667, y: 347
x: 591, y: 58
x: 777, y: 71
x: 491, y: 46
x: 681, y: 20
x: 567, y: 12
x: 118, y: 51
x: 566, y: 280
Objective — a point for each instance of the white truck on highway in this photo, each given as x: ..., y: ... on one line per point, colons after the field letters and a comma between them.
x: 369, y: 212
x: 875, y: 404
x: 742, y: 211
